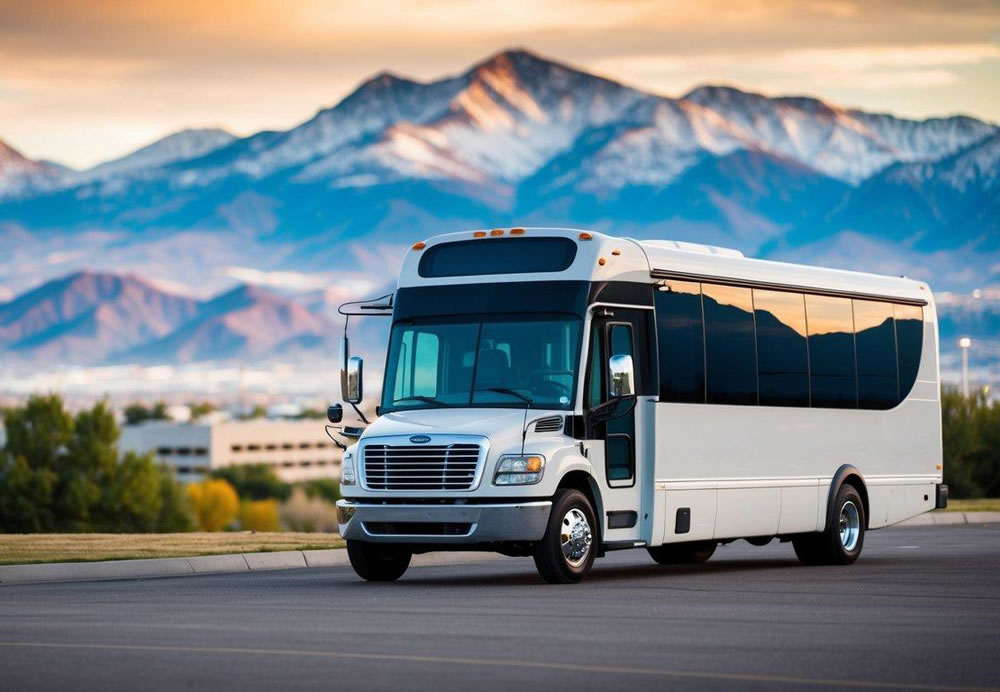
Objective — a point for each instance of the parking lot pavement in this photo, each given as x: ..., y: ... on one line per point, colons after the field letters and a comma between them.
x: 920, y: 610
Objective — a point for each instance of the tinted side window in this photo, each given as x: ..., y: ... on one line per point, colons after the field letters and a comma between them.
x: 730, y: 348
x: 910, y: 340
x: 831, y: 352
x: 782, y: 353
x: 875, y: 342
x: 681, y: 340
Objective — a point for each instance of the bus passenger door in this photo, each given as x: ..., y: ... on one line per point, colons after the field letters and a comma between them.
x: 619, y: 331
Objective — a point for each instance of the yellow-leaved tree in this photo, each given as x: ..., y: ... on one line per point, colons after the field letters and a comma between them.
x: 259, y: 515
x: 215, y: 504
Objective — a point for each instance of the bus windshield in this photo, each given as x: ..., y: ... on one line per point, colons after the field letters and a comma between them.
x: 490, y: 362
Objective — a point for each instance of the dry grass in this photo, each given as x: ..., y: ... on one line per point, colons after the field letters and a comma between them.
x: 988, y: 504
x: 86, y: 547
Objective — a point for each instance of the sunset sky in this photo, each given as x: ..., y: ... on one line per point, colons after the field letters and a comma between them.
x: 82, y: 81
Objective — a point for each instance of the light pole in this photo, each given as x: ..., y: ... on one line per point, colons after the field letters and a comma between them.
x: 964, y: 343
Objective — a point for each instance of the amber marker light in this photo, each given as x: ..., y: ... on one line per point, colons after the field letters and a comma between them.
x: 602, y: 261
x: 479, y: 234
x: 419, y: 246
x: 496, y: 231
x: 586, y: 236
x: 616, y: 252
x: 517, y: 231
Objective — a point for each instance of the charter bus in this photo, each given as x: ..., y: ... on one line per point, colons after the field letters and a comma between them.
x: 560, y: 394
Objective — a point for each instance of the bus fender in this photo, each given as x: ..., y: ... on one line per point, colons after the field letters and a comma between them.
x: 842, y: 474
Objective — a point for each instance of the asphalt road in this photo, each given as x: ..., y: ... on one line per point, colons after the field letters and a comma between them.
x: 920, y: 609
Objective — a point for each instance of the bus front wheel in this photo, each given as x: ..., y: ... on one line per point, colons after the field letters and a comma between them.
x: 378, y: 561
x: 567, y: 550
x: 841, y: 542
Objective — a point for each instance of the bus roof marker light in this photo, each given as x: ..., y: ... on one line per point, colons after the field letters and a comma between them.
x: 496, y: 231
x: 616, y: 252
x: 586, y: 236
x: 420, y: 245
x: 602, y: 261
x: 517, y: 231
x: 479, y: 234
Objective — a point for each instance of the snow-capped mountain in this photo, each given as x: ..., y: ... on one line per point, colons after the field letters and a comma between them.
x: 179, y: 146
x: 19, y: 174
x: 518, y: 139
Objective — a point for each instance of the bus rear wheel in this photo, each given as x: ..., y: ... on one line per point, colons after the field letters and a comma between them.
x: 378, y: 561
x: 567, y: 551
x: 691, y: 553
x: 841, y: 542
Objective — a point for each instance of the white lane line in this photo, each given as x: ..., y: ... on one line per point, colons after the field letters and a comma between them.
x: 507, y: 663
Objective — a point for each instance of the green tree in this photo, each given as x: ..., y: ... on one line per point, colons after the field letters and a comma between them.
x: 255, y: 482
x: 137, y: 413
x: 971, y: 438
x: 26, y: 496
x: 200, y: 410
x: 60, y: 473
x: 175, y: 512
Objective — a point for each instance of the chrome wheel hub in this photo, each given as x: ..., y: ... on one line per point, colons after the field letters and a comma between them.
x: 575, y: 536
x: 850, y: 526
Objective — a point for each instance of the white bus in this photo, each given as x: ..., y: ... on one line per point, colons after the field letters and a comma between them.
x: 561, y: 394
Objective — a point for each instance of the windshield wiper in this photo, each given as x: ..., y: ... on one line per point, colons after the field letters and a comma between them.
x: 425, y: 399
x: 505, y: 390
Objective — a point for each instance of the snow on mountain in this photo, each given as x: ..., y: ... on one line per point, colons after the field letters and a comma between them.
x: 19, y: 174
x: 179, y: 146
x: 847, y: 144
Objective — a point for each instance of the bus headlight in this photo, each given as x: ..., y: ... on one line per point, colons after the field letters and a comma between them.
x: 347, y: 476
x: 515, y: 469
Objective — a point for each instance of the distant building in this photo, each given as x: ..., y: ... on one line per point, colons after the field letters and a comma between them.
x: 296, y: 450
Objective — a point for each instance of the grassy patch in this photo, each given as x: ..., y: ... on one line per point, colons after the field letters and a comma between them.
x: 988, y: 504
x: 17, y: 549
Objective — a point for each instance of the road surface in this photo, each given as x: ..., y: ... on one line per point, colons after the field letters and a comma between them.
x: 921, y: 609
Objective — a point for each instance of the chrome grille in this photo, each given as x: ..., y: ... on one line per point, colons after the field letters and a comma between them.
x: 421, y: 467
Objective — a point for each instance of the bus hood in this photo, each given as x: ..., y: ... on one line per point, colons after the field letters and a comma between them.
x: 503, y: 426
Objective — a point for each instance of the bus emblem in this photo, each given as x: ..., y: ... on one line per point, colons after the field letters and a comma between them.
x: 419, y: 439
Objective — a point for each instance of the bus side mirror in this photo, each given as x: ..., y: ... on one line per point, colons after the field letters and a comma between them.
x: 622, y: 373
x: 352, y: 380
x: 335, y: 413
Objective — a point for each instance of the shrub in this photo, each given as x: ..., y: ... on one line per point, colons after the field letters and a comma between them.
x: 303, y: 513
x: 254, y: 482
x: 214, y: 502
x: 259, y: 515
x: 323, y: 488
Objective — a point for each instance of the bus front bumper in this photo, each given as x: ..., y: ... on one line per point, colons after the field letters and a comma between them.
x: 455, y: 524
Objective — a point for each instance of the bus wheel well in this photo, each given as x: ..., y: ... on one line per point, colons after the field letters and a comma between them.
x: 585, y: 483
x: 855, y: 481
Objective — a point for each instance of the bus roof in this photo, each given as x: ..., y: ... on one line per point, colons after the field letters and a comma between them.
x: 601, y: 257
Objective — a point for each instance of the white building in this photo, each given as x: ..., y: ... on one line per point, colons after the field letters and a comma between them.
x: 296, y: 450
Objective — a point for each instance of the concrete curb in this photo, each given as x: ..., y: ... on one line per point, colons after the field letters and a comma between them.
x: 952, y: 518
x: 206, y: 564
x: 297, y: 559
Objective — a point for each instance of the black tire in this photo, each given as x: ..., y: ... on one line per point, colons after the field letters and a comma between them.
x: 378, y: 561
x: 552, y: 563
x: 844, y: 537
x: 692, y: 553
